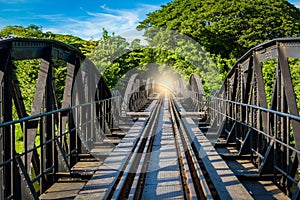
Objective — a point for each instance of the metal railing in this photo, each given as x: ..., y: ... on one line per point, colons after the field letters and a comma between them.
x: 27, y: 173
x: 198, y: 100
x: 270, y: 146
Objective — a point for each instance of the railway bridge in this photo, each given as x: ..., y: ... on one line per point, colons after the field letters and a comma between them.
x: 149, y: 141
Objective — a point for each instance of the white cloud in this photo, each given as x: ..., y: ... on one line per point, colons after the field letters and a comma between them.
x: 91, y: 25
x: 134, y: 34
x: 53, y: 17
x: 296, y: 3
x: 150, y: 7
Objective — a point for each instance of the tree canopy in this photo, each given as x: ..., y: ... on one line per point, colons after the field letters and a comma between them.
x: 33, y: 31
x: 228, y: 27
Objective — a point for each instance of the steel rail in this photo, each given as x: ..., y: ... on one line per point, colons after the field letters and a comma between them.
x: 136, y: 190
x: 200, y: 184
x: 186, y: 176
x: 140, y: 176
x: 130, y: 183
x: 120, y: 189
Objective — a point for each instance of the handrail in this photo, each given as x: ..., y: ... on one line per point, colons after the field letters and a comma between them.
x: 56, y: 140
x: 51, y: 112
x: 260, y: 131
x: 295, y: 117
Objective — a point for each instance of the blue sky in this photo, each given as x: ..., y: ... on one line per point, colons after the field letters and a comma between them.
x: 83, y: 18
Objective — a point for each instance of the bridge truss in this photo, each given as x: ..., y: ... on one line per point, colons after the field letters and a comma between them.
x: 265, y: 129
x: 262, y: 125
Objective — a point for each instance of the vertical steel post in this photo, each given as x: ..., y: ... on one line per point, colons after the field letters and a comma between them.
x: 49, y: 132
x: 6, y: 134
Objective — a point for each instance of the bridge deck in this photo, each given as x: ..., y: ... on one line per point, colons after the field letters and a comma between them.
x: 163, y: 179
x: 163, y: 176
x: 105, y: 175
x: 259, y: 189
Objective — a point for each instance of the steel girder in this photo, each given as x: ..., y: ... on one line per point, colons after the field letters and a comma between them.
x: 56, y: 155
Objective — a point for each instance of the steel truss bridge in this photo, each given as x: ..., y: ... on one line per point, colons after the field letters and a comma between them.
x: 241, y: 143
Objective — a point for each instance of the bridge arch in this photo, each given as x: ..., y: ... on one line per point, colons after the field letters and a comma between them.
x: 136, y: 93
x: 197, y: 92
x: 45, y: 98
x: 257, y: 123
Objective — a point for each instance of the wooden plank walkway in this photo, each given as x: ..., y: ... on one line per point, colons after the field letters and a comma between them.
x: 87, y: 170
x: 227, y: 184
x: 163, y: 180
x: 104, y: 176
x: 259, y: 189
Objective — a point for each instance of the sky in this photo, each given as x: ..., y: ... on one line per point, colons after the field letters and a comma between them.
x: 82, y: 18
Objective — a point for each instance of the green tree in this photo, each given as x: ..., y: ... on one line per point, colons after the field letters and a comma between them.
x: 228, y: 28
x: 33, y: 31
x: 107, y: 57
x: 225, y: 29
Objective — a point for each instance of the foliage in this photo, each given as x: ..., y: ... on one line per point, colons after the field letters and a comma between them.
x: 27, y: 70
x: 295, y: 73
x: 33, y: 31
x: 27, y: 74
x: 104, y: 56
x: 269, y: 73
x: 228, y: 28
x: 224, y: 29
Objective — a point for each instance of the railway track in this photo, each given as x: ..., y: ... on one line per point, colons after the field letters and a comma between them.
x: 163, y: 163
x: 164, y: 156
